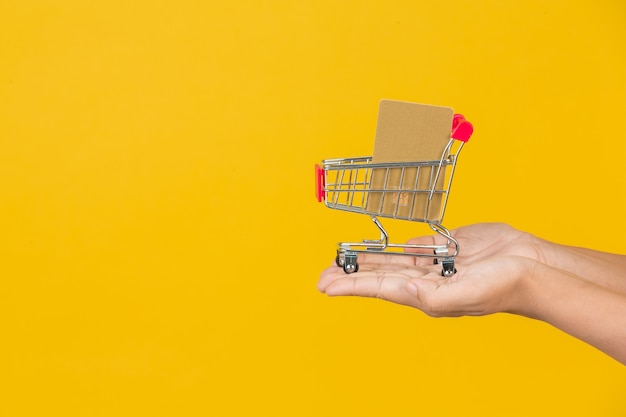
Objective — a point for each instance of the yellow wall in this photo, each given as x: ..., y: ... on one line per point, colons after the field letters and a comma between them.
x: 160, y: 240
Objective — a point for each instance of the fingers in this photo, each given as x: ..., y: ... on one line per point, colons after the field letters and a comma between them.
x: 424, y: 240
x: 434, y: 297
x: 383, y: 281
x: 421, y: 287
x: 435, y: 239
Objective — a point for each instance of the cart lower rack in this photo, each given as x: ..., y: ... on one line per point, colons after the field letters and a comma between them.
x: 413, y: 191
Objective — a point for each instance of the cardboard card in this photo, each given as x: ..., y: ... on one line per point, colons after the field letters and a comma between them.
x: 407, y: 132
x: 411, y: 131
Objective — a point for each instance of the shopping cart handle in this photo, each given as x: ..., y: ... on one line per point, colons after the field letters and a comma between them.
x: 319, y: 183
x: 461, y: 128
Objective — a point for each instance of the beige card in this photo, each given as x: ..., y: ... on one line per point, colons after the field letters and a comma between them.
x: 408, y: 132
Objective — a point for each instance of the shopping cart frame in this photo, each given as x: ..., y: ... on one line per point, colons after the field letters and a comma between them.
x: 347, y: 183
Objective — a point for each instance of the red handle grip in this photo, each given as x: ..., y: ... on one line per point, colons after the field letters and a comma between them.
x: 320, y: 183
x: 461, y: 129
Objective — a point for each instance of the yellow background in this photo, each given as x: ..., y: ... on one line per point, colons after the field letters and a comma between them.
x: 160, y: 240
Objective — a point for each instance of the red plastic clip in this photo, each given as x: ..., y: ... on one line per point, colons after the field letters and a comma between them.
x: 320, y: 183
x: 461, y: 129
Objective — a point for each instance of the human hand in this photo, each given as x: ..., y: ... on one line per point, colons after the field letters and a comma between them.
x: 491, y: 263
x: 501, y: 269
x: 485, y: 287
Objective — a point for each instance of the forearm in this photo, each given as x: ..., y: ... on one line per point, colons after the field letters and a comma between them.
x: 607, y: 270
x: 583, y: 309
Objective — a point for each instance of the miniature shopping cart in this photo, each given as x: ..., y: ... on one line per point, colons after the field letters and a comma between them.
x: 414, y: 191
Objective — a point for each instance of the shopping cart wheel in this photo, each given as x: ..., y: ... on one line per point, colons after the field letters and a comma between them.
x: 448, y: 268
x: 350, y: 265
x: 351, y: 268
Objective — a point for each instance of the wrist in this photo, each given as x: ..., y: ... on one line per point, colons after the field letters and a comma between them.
x: 555, y: 255
x: 525, y: 297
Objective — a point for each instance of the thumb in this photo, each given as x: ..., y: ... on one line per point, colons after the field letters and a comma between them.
x: 412, y: 288
x: 421, y: 240
x: 427, y: 298
x: 421, y: 286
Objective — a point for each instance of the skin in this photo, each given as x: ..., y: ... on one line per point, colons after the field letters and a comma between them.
x: 501, y: 269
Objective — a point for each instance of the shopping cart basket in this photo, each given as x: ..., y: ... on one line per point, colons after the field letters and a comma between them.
x: 414, y: 191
